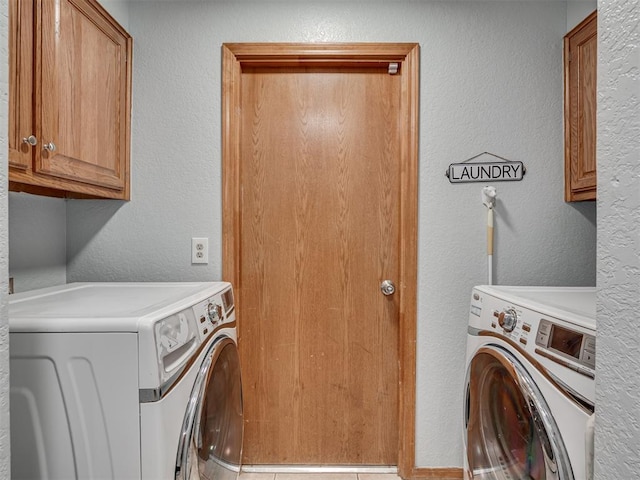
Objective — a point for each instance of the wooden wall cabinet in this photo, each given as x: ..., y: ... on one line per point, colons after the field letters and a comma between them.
x: 580, y: 88
x: 69, y: 100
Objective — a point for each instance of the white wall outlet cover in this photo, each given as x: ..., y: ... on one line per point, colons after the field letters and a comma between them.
x: 199, y: 250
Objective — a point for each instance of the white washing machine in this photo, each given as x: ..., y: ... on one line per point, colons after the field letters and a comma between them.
x: 530, y: 383
x: 125, y: 381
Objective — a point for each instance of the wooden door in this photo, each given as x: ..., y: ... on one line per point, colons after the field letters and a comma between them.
x: 316, y: 161
x: 84, y: 92
x: 21, y: 125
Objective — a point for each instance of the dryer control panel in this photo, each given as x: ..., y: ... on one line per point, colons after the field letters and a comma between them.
x: 179, y: 336
x: 214, y: 313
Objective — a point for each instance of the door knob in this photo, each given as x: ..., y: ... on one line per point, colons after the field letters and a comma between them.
x: 31, y: 140
x: 49, y: 146
x: 387, y: 288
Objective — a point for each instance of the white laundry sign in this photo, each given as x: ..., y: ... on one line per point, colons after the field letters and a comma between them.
x: 485, y: 171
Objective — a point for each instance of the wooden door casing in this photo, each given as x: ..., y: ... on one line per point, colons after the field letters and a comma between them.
x: 369, y: 178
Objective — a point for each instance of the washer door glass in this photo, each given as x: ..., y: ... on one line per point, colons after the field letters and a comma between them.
x: 211, y: 440
x: 511, y: 434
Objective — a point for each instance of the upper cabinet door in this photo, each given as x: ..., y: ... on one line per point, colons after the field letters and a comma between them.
x: 21, y: 126
x: 84, y: 95
x: 580, y: 59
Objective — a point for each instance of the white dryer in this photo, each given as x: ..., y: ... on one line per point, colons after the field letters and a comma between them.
x: 125, y: 381
x: 530, y: 383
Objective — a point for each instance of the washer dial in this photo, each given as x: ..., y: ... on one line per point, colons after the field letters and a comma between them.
x: 508, y: 319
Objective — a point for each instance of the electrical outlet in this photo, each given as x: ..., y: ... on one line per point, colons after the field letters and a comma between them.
x: 200, y: 250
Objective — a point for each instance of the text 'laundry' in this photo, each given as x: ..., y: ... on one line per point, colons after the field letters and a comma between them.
x: 481, y: 172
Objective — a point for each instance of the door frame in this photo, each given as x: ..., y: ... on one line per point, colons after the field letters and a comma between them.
x: 406, y: 55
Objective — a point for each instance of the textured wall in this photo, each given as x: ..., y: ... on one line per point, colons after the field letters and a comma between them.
x: 119, y: 9
x: 5, y: 470
x: 37, y: 241
x: 618, y: 266
x: 577, y: 10
x: 491, y: 80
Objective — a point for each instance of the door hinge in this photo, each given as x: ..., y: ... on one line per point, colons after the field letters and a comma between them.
x: 393, y: 68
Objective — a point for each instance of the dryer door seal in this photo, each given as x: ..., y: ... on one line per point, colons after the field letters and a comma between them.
x: 511, y: 434
x: 211, y: 437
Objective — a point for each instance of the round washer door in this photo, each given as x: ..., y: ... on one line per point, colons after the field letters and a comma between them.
x: 210, y: 445
x: 510, y: 432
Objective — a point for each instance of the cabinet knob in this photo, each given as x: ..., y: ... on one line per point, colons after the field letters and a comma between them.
x: 30, y: 140
x: 49, y: 146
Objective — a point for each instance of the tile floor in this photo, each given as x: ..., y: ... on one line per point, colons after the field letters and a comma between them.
x: 319, y: 476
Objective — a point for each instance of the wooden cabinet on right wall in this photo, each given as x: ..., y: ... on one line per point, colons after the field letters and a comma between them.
x: 580, y: 66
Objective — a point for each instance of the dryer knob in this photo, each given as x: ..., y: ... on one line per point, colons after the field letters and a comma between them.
x: 214, y: 312
x: 508, y: 319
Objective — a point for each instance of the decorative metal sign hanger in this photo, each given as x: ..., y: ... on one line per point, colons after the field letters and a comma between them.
x: 501, y: 171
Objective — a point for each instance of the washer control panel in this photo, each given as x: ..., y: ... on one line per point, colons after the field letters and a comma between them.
x: 512, y: 323
x: 569, y: 343
x: 542, y: 336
